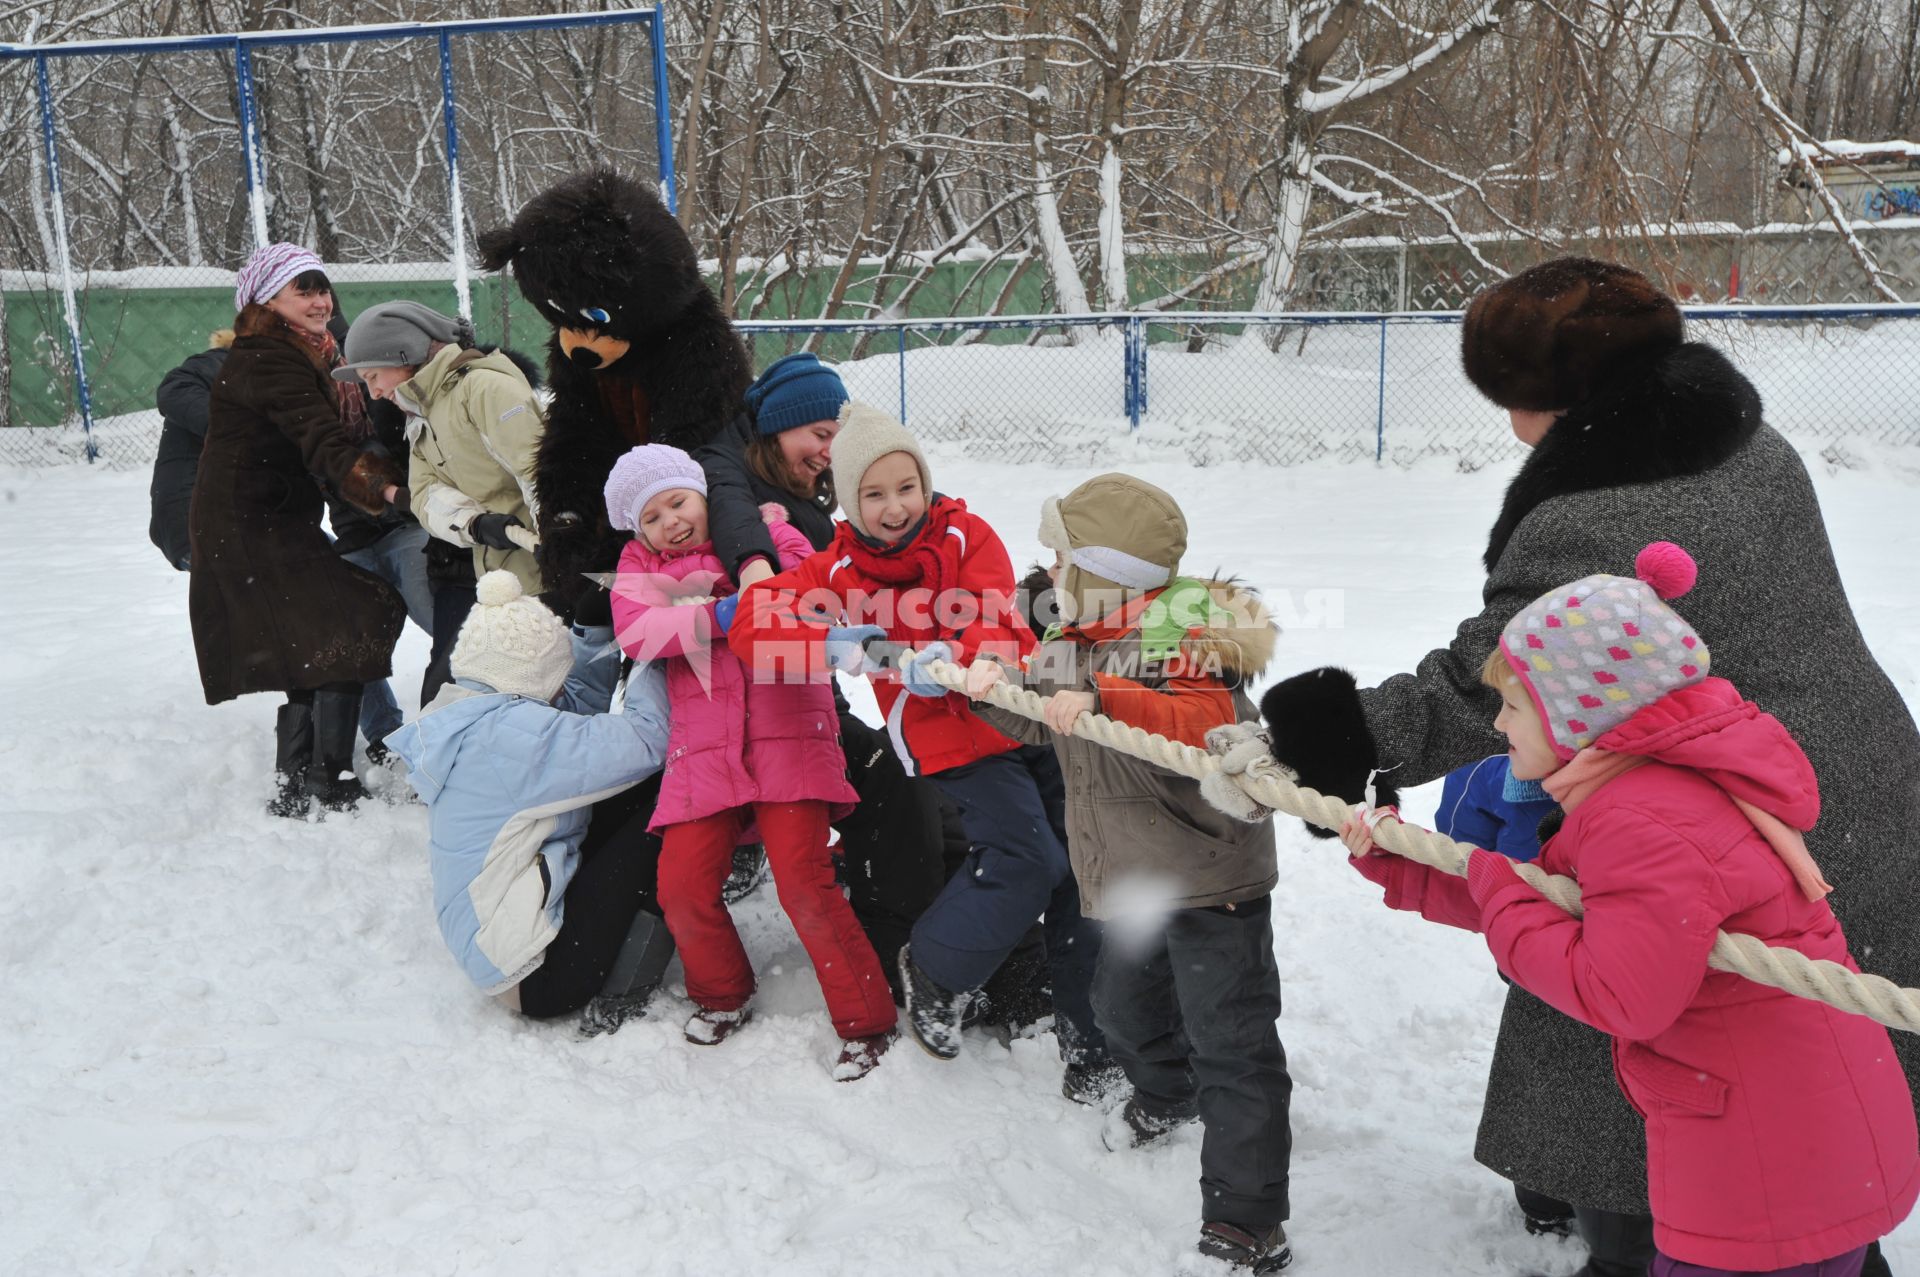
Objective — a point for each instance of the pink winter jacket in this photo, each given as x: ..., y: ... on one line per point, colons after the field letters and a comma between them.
x: 731, y: 742
x: 1779, y: 1131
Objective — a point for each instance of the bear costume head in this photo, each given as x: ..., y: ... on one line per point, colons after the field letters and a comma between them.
x: 602, y: 260
x: 641, y: 353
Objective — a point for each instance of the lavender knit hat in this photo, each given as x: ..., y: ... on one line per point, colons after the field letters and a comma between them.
x: 1594, y: 653
x: 271, y: 269
x: 645, y: 473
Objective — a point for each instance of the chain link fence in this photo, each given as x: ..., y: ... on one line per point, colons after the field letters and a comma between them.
x: 1292, y: 389
x: 147, y: 171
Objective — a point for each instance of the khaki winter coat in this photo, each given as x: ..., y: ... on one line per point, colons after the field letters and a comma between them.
x: 1141, y: 838
x: 473, y: 435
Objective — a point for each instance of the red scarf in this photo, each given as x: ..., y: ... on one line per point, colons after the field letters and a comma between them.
x: 347, y: 394
x: 929, y: 559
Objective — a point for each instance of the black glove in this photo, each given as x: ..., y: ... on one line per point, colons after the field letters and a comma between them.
x: 594, y: 608
x: 491, y: 530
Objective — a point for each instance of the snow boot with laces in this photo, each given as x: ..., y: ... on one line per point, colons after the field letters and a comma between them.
x: 1262, y: 1250
x: 933, y: 1013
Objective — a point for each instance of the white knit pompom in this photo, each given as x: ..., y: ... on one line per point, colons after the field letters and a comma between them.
x: 497, y: 588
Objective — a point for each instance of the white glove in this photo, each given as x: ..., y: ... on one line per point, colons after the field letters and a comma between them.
x: 1237, y: 746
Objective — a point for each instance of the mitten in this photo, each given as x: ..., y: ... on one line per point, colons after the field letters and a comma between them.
x: 916, y: 677
x: 772, y: 512
x: 523, y: 537
x: 723, y: 612
x: 845, y: 646
x: 1237, y: 746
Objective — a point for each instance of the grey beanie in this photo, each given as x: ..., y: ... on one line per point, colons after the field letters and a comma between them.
x: 398, y: 335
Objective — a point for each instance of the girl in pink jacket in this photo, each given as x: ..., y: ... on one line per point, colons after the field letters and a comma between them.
x: 740, y: 754
x: 1780, y: 1132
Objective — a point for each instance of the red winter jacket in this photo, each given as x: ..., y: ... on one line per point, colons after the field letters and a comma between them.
x: 1779, y: 1130
x: 780, y: 631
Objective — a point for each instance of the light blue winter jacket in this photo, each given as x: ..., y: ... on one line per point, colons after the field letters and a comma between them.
x: 508, y: 783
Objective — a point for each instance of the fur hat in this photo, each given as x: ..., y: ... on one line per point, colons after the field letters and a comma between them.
x: 1594, y: 653
x: 643, y: 474
x: 512, y: 643
x: 795, y: 391
x: 1118, y: 536
x: 1548, y: 338
x: 398, y: 335
x: 271, y: 268
x: 867, y: 434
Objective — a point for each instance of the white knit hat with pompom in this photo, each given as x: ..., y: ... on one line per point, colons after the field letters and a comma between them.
x: 512, y: 643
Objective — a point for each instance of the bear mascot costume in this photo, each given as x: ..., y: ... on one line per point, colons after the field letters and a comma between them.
x: 641, y: 353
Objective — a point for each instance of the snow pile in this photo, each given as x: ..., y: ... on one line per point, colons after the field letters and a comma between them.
x: 234, y: 1044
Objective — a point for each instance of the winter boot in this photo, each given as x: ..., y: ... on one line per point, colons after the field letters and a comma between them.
x: 1875, y: 1264
x: 1618, y: 1245
x: 707, y: 1027
x: 1543, y: 1216
x: 749, y: 871
x: 336, y: 722
x: 933, y: 1013
x: 1262, y: 1250
x: 292, y: 752
x: 859, y: 1056
x: 1092, y: 1082
x: 637, y: 971
x: 1134, y: 1125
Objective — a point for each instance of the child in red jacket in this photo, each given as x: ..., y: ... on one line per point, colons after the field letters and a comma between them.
x: 916, y: 568
x: 1780, y: 1132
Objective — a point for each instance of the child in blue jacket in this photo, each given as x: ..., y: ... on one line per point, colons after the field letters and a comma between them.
x: 543, y: 872
x: 1483, y: 804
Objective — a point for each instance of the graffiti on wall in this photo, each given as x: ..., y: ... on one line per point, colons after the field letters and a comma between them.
x: 1893, y: 201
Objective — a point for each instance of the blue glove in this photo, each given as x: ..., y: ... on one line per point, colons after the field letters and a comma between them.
x: 723, y: 612
x: 844, y: 646
x: 915, y: 677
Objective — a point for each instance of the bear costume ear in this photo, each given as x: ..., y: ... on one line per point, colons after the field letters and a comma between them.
x: 498, y: 247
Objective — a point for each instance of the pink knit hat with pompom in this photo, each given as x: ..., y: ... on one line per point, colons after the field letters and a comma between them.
x: 1594, y: 653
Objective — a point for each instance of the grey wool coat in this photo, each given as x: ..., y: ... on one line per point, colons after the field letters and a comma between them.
x: 1679, y: 454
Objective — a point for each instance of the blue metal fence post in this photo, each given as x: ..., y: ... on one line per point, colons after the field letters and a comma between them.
x: 84, y: 393
x: 1136, y: 371
x: 250, y: 148
x: 456, y: 208
x: 1380, y: 409
x: 662, y: 118
x: 903, y: 374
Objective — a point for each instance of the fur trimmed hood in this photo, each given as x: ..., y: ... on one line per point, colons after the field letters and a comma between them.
x: 1241, y: 632
x: 1683, y: 413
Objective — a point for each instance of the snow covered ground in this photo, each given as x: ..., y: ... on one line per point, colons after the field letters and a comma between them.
x: 233, y: 1044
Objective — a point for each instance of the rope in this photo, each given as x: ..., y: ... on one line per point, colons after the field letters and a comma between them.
x: 1269, y: 784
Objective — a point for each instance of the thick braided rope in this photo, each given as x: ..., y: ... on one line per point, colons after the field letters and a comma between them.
x: 1873, y: 996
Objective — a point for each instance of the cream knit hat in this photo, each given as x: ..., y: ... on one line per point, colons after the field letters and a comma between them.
x: 867, y: 434
x: 512, y: 643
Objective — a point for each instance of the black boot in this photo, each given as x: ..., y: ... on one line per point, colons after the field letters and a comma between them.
x: 749, y: 871
x: 1542, y: 1215
x: 292, y: 752
x: 637, y: 971
x: 336, y: 722
x: 933, y: 1013
x: 1618, y: 1245
x: 1876, y: 1263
